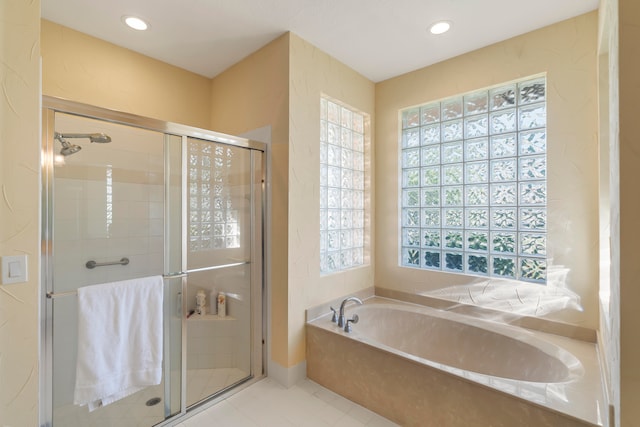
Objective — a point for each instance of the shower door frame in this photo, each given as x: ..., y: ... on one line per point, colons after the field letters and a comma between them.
x: 52, y: 105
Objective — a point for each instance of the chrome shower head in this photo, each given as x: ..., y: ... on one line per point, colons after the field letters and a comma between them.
x: 68, y: 148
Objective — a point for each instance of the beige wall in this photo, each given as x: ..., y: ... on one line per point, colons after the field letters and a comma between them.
x: 629, y: 219
x: 252, y: 94
x: 314, y: 73
x: 84, y: 69
x: 19, y: 208
x: 280, y: 86
x: 567, y: 53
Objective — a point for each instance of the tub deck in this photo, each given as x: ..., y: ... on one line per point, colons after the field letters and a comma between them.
x: 416, y: 392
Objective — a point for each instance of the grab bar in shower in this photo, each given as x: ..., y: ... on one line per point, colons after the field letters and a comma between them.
x: 92, y: 264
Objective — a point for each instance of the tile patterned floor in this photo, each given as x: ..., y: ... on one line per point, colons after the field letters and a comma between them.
x: 269, y: 404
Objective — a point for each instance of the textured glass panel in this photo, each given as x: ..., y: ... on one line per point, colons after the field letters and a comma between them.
x: 333, y: 198
x: 431, y: 197
x: 324, y: 202
x: 431, y: 134
x: 333, y: 219
x: 323, y: 131
x: 476, y: 126
x: 533, y: 269
x: 430, y: 113
x: 358, y: 123
x: 345, y: 138
x: 333, y: 261
x: 358, y: 142
x: 503, y: 218
x: 431, y: 217
x: 453, y: 217
x: 411, y: 177
x: 333, y: 112
x: 533, y: 218
x: 411, y: 198
x: 475, y: 103
x: 452, y: 131
x: 477, y: 240
x: 503, y: 194
x: 358, y: 219
x: 453, y: 239
x: 476, y: 172
x: 533, y: 244
x: 346, y: 239
x: 533, y: 193
x: 533, y: 142
x: 452, y: 153
x: 334, y: 158
x: 503, y: 146
x: 333, y: 240
x: 411, y: 158
x: 333, y: 134
x: 431, y: 238
x: 358, y: 199
x: 503, y: 121
x: 477, y: 195
x: 411, y: 138
x: 323, y: 153
x: 502, y: 97
x: 347, y: 178
x: 431, y: 155
x: 453, y: 174
x: 346, y: 219
x: 477, y: 264
x: 502, y: 266
x: 358, y: 237
x: 452, y: 196
x: 323, y: 220
x: 431, y: 176
x: 432, y: 259
x: 503, y: 242
x: 333, y: 176
x: 503, y: 170
x: 323, y: 108
x: 453, y: 261
x: 477, y: 218
x: 534, y: 116
x: 411, y: 118
x: 347, y: 158
x: 410, y: 217
x: 347, y: 199
x: 531, y: 91
x: 358, y: 180
x: 476, y: 149
x: 451, y: 108
x: 534, y: 167
x: 346, y: 118
x: 358, y: 161
x: 346, y: 259
x: 411, y: 257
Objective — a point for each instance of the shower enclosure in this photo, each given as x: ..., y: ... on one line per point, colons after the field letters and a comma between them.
x: 127, y: 197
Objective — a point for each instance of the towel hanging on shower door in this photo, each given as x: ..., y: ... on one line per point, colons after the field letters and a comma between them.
x: 119, y: 340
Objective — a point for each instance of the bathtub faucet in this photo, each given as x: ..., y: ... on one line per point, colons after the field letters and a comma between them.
x: 341, y: 314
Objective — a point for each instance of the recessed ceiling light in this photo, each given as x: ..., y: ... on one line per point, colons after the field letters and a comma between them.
x: 440, y: 27
x: 135, y: 23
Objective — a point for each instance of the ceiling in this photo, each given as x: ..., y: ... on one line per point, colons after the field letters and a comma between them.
x: 378, y: 38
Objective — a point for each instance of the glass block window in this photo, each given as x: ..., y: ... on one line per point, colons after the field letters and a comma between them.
x: 473, y: 178
x: 213, y: 220
x: 342, y: 187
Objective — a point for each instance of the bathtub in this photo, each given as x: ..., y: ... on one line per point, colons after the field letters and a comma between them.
x: 419, y: 366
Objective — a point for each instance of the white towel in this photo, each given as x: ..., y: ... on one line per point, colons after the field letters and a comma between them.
x: 119, y: 340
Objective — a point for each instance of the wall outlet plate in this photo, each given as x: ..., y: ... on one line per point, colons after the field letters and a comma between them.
x: 14, y: 269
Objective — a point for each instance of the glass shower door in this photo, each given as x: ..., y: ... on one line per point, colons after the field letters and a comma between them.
x: 111, y: 219
x: 223, y: 252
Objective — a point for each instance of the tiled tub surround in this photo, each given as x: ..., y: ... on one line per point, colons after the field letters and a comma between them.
x: 420, y: 366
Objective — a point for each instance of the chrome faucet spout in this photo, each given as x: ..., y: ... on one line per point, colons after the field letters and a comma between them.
x: 341, y: 313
